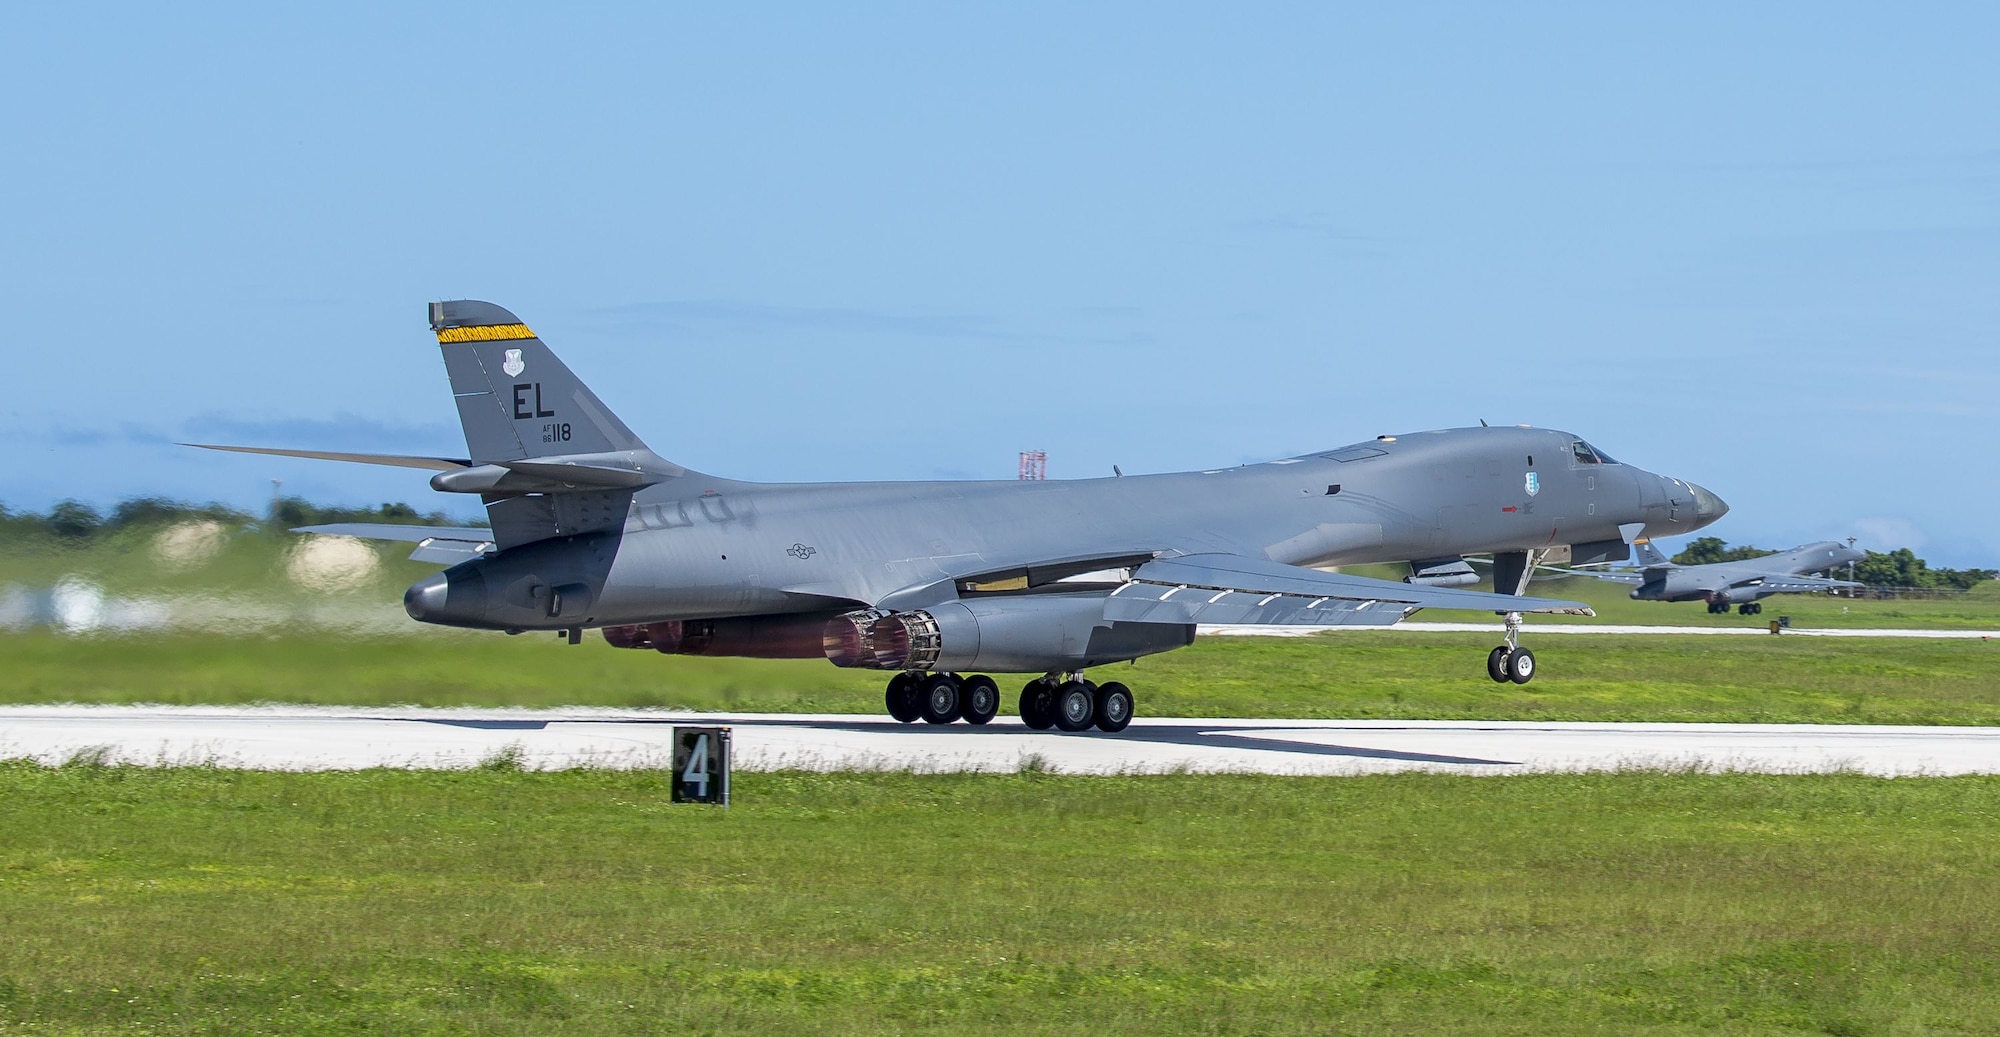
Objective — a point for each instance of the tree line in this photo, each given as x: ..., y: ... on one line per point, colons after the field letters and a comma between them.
x: 73, y: 521
x: 1898, y: 568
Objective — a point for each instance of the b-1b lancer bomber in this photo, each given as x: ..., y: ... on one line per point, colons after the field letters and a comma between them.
x: 939, y: 583
x: 1743, y: 584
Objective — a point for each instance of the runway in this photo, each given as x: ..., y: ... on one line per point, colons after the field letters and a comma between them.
x: 332, y: 738
x: 1535, y: 629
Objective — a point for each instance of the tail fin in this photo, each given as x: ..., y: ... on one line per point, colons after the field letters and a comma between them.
x: 516, y: 400
x: 1649, y: 556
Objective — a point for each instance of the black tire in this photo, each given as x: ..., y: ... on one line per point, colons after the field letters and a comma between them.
x: 1038, y: 705
x: 1521, y: 666
x: 901, y: 698
x: 1496, y: 665
x: 1075, y: 706
x: 938, y: 698
x: 978, y: 699
x: 1114, y: 707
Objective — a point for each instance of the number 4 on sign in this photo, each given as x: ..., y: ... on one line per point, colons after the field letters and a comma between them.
x: 696, y: 773
x: 701, y: 765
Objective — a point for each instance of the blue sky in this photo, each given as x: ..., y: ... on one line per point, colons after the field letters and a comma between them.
x: 1756, y: 246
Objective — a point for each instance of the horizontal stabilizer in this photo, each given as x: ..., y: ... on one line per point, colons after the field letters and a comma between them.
x: 445, y: 545
x: 407, y: 534
x: 436, y: 464
x: 560, y: 474
x: 1218, y: 588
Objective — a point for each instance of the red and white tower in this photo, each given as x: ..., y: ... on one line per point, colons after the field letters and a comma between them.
x: 1034, y: 464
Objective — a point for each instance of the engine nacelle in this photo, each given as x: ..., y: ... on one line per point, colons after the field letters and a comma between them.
x: 1676, y: 586
x: 1027, y: 633
x: 748, y: 637
x: 1740, y: 595
x: 543, y: 586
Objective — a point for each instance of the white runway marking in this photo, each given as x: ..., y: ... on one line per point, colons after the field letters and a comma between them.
x: 331, y: 738
x: 1537, y: 629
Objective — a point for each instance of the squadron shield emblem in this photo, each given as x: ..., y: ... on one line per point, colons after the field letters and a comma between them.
x: 512, y: 364
x: 1534, y: 484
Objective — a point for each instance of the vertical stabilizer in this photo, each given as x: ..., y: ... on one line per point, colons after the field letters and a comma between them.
x: 516, y: 400
x: 1649, y: 556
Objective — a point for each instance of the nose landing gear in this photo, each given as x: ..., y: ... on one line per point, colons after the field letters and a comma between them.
x: 1510, y: 661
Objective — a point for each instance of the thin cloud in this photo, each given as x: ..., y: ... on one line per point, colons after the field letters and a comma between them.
x: 1316, y: 227
x: 124, y: 434
x: 686, y: 315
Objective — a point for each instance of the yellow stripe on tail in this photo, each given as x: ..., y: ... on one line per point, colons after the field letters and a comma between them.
x: 484, y: 333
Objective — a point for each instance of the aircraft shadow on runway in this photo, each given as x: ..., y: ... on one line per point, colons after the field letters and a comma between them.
x: 1156, y: 733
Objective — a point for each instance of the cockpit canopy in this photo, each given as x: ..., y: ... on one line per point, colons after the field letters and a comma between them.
x: 1587, y: 454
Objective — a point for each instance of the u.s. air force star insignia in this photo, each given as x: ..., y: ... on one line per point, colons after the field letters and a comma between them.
x: 801, y: 551
x: 512, y: 364
x: 1534, y: 484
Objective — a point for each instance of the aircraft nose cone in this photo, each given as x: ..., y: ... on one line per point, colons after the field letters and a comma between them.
x: 1707, y: 506
x: 425, y: 600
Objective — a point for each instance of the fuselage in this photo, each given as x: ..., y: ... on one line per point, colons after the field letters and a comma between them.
x: 700, y: 547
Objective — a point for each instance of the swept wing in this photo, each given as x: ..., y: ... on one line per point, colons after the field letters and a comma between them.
x: 1629, y: 577
x: 1224, y: 588
x: 1789, y: 582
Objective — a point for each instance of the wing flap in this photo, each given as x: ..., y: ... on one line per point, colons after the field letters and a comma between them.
x: 1217, y: 588
x: 1141, y: 602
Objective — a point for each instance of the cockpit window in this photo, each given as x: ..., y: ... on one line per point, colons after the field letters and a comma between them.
x: 1586, y: 454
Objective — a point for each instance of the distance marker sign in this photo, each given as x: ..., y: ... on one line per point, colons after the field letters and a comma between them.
x: 701, y: 765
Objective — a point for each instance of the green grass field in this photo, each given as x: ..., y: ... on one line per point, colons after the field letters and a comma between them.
x: 1346, y: 674
x: 205, y: 901
x: 197, y: 901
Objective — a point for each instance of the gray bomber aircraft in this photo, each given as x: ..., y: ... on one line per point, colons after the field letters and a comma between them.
x: 1723, y: 584
x: 932, y: 580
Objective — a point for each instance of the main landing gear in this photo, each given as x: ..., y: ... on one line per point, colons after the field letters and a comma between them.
x: 1748, y: 608
x: 1510, y: 661
x: 1064, y: 701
